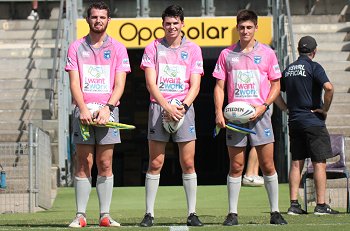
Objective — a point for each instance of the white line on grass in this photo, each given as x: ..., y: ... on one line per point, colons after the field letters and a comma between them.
x: 178, y: 228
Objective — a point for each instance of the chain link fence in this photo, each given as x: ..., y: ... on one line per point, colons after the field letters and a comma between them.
x: 25, y: 184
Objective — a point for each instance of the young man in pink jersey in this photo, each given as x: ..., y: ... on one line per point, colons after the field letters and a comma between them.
x: 173, y: 68
x: 97, y: 66
x: 251, y: 73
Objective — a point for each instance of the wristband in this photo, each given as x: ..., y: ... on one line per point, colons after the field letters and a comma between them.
x: 110, y: 106
x: 185, y: 106
x: 267, y: 106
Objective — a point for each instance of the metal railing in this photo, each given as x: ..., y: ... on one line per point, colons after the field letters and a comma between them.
x: 26, y: 167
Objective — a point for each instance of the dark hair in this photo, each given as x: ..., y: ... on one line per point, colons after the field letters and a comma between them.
x: 98, y: 5
x: 173, y: 11
x: 247, y: 15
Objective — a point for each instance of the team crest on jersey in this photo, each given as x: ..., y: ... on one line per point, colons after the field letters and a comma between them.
x: 107, y: 54
x: 184, y: 55
x: 257, y: 59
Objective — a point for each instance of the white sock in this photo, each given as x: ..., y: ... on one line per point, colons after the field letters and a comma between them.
x: 104, y: 188
x: 233, y: 188
x: 271, y: 185
x: 151, y: 186
x: 82, y: 193
x: 190, y: 185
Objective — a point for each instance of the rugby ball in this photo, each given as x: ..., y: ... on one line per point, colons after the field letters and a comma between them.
x: 173, y: 126
x: 239, y: 112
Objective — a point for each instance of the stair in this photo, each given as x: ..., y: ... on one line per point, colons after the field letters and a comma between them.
x: 26, y: 58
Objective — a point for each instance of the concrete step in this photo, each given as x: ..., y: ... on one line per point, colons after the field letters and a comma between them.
x: 338, y: 87
x: 24, y: 73
x: 13, y: 135
x: 330, y: 56
x: 27, y: 43
x: 8, y: 115
x: 28, y: 25
x: 338, y: 120
x: 341, y: 82
x: 323, y: 7
x: 28, y: 94
x: 27, y: 53
x: 22, y: 135
x: 336, y: 65
x: 13, y: 125
x: 341, y: 97
x: 23, y: 124
x: 313, y: 28
x: 24, y: 104
x: 337, y: 76
x: 40, y: 63
x: 333, y: 46
x: 345, y: 130
x: 339, y: 108
x: 24, y: 83
x: 324, y: 37
x: 303, y: 19
x: 28, y: 34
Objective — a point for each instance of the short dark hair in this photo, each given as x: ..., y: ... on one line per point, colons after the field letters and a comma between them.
x: 173, y: 11
x: 98, y: 5
x: 245, y: 15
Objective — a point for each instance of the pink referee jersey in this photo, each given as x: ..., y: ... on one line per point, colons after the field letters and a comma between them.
x: 247, y: 75
x: 97, y: 67
x: 174, y: 66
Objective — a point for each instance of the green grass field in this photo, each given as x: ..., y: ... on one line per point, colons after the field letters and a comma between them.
x: 170, y: 211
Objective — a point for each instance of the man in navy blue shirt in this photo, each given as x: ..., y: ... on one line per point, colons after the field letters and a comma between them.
x: 303, y: 81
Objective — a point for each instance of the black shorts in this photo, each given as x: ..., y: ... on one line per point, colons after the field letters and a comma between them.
x: 313, y: 142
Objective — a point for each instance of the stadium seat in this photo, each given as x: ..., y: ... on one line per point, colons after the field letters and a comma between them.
x: 336, y: 170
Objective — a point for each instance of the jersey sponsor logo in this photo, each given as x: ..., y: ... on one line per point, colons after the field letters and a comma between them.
x: 295, y: 70
x: 276, y: 68
x: 246, y: 84
x: 96, y: 78
x: 171, y: 78
x: 184, y: 55
x: 257, y: 59
x: 107, y: 54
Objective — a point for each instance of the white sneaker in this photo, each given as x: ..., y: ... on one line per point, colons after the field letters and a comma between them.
x: 107, y: 221
x: 252, y: 181
x: 33, y: 16
x: 78, y: 222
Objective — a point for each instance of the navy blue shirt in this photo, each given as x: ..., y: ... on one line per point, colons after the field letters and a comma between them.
x: 303, y: 83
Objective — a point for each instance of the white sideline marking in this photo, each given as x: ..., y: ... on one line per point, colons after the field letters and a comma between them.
x: 178, y: 228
